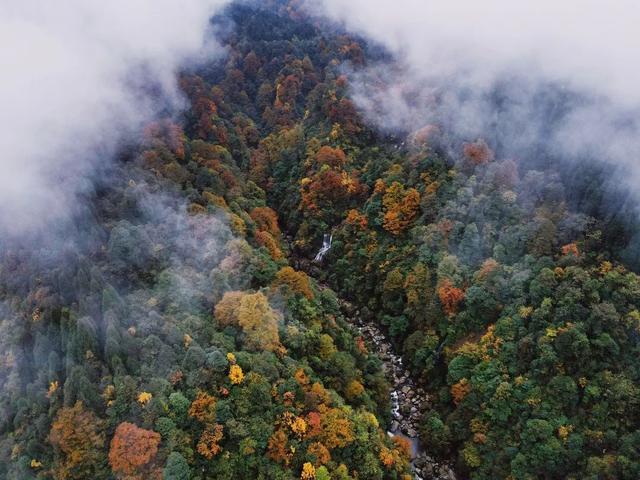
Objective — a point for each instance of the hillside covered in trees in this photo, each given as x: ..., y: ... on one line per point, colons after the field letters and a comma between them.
x: 182, y: 330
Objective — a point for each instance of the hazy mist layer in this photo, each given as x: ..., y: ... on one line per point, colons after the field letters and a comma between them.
x: 77, y: 77
x: 561, y: 74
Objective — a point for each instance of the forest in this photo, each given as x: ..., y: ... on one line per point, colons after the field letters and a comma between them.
x: 183, y: 331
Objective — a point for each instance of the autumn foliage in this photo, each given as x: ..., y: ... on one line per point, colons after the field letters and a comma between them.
x: 401, y: 206
x: 329, y: 188
x: 354, y: 390
x: 571, y: 249
x: 277, y: 448
x: 334, y: 157
x: 204, y: 108
x: 355, y: 218
x: 337, y: 429
x: 132, y: 450
x: 478, y: 152
x: 460, y: 390
x: 167, y: 133
x: 203, y: 408
x: 226, y: 311
x: 254, y: 315
x: 308, y: 472
x: 265, y: 239
x: 330, y: 184
x: 524, y: 345
x: 266, y: 220
x: 259, y: 322
x: 450, y: 297
x: 322, y: 454
x: 77, y: 439
x: 298, y: 282
x: 209, y: 443
x: 236, y: 375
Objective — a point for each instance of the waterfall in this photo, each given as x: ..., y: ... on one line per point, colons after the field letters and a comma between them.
x: 326, y: 245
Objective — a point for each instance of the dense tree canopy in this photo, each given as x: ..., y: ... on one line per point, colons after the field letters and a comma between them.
x: 191, y: 337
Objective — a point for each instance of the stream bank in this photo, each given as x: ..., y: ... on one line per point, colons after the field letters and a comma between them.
x: 408, y: 401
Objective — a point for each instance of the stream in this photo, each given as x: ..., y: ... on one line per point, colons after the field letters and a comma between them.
x: 408, y: 401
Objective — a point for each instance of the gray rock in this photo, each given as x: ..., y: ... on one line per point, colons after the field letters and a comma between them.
x: 427, y: 471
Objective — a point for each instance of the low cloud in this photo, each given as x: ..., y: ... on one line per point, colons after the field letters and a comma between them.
x: 529, y: 76
x: 79, y: 76
x: 585, y: 44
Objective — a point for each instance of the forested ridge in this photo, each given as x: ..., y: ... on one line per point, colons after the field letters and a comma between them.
x: 184, y: 332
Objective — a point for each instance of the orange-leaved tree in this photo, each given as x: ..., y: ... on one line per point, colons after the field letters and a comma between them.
x: 320, y: 452
x: 460, y: 390
x: 268, y: 241
x: 266, y: 220
x: 334, y: 157
x: 277, y: 448
x: 203, y: 408
x: 337, y: 429
x: 478, y: 152
x: 209, y: 443
x: 77, y: 437
x: 450, y: 297
x: 132, y: 450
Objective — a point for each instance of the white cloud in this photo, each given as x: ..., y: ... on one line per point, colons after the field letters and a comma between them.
x: 71, y: 86
x: 567, y: 72
x: 591, y: 44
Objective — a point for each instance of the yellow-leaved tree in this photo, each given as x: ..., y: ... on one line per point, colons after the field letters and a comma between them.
x: 251, y: 312
x: 298, y: 282
x: 259, y: 322
x: 226, y: 311
x: 401, y: 206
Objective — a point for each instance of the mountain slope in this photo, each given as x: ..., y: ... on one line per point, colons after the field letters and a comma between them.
x: 170, y: 330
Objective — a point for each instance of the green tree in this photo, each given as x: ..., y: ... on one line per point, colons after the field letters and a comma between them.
x: 176, y: 468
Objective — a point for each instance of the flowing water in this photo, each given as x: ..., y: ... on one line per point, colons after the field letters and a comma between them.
x: 326, y: 245
x: 408, y: 400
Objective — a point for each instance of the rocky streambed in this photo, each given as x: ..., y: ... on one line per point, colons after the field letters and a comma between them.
x: 408, y: 401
